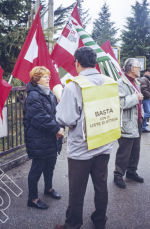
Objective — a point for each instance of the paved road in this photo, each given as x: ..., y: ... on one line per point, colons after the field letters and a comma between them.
x: 127, y: 209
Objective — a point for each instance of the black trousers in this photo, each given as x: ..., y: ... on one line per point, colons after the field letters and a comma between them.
x: 79, y: 171
x: 128, y: 154
x: 39, y: 166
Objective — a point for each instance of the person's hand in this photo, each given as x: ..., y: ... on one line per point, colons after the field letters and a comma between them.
x: 139, y: 96
x: 60, y: 133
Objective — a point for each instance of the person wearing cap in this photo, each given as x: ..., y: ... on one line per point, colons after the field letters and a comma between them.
x: 43, y: 135
x: 128, y: 153
x: 145, y: 89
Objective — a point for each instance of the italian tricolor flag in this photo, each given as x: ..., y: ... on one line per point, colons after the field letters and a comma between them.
x: 67, y: 44
x: 74, y: 36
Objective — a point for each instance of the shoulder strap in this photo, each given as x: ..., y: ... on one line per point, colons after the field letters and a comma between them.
x: 82, y: 81
x: 109, y: 80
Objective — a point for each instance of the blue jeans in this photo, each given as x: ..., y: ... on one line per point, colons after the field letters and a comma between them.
x: 146, y: 107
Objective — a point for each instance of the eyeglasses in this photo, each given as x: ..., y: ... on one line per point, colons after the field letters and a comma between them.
x: 45, y: 77
x: 137, y: 67
x: 74, y: 62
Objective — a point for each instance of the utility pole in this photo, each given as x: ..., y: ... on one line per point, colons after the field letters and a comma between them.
x: 30, y: 18
x: 37, y: 5
x: 33, y: 12
x: 50, y: 23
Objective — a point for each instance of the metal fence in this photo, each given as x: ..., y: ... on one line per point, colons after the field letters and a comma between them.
x: 15, y: 138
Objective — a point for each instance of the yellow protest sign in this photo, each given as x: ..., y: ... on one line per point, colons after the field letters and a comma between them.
x: 102, y: 111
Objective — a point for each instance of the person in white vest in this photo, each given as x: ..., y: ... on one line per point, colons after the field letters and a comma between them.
x: 81, y: 161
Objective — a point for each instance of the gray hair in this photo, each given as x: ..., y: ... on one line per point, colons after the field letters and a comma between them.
x: 129, y: 63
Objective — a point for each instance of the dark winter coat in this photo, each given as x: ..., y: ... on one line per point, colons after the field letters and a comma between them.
x: 40, y: 126
x: 145, y: 86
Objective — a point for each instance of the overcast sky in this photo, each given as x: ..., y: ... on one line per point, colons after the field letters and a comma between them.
x: 119, y: 9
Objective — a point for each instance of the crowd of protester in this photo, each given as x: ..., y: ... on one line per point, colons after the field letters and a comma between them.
x: 45, y: 120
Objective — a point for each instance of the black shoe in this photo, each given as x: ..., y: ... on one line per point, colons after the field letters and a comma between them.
x: 99, y: 225
x: 146, y: 131
x: 134, y: 176
x: 40, y: 204
x: 53, y: 194
x: 119, y: 182
x: 59, y: 226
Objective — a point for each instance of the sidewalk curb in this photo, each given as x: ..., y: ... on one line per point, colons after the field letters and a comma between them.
x: 14, y: 163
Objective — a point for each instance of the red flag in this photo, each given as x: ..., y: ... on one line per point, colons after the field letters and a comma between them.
x: 4, y: 91
x: 67, y: 44
x: 35, y: 53
x: 108, y: 49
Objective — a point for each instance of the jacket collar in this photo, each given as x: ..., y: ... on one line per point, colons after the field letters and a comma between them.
x: 126, y: 81
x: 89, y: 71
x: 31, y: 87
x: 147, y: 77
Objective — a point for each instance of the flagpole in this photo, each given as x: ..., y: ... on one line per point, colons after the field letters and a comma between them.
x: 37, y: 5
x: 50, y: 23
x: 10, y: 79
